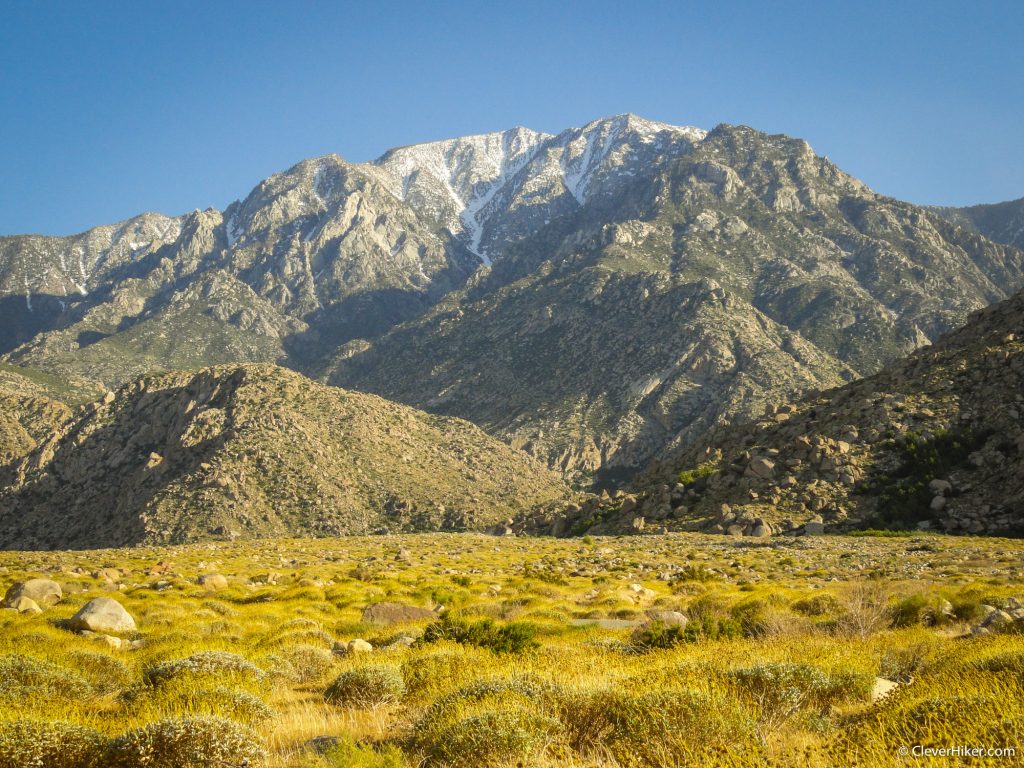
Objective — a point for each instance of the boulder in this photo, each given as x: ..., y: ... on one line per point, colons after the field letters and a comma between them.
x: 26, y: 605
x: 668, y: 618
x: 353, y: 647
x: 102, y: 615
x: 940, y: 487
x: 882, y: 688
x: 762, y: 468
x: 395, y: 613
x: 213, y: 581
x: 42, y: 591
x: 815, y: 526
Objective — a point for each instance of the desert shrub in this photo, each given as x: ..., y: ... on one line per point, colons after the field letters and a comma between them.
x: 705, y: 626
x: 105, y: 673
x: 493, y: 725
x: 439, y: 670
x: 184, y: 697
x: 207, y: 664
x: 195, y: 742
x: 919, y: 609
x: 818, y: 605
x: 781, y: 689
x: 586, y: 717
x: 369, y: 686
x: 672, y: 728
x: 307, y: 664
x: 347, y: 753
x: 656, y: 635
x: 24, y: 677
x: 689, y: 477
x: 515, y: 637
x: 29, y: 744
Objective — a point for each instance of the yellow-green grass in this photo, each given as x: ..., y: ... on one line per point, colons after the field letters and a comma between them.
x: 808, y: 625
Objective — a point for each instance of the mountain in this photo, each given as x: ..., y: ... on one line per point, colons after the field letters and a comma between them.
x: 256, y: 451
x: 29, y: 413
x: 597, y: 297
x: 932, y: 441
x: 999, y: 222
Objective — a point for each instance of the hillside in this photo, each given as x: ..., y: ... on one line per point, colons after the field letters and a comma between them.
x: 933, y: 441
x: 258, y: 451
x: 597, y: 296
x: 999, y: 222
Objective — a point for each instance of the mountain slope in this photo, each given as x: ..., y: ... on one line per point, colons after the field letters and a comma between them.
x: 999, y: 222
x: 259, y: 451
x: 934, y: 440
x: 674, y: 278
x: 575, y: 344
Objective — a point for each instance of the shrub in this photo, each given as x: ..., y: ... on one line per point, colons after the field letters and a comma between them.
x: 498, y: 727
x: 690, y: 477
x: 29, y: 744
x: 184, y: 698
x: 677, y: 728
x: 370, y: 686
x: 208, y: 664
x: 306, y: 664
x: 918, y: 609
x: 515, y: 637
x: 196, y: 742
x: 105, y: 673
x: 818, y: 605
x: 656, y: 634
x: 23, y: 677
x: 440, y: 670
x: 781, y: 689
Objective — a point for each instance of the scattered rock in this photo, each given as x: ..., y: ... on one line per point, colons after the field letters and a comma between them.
x: 103, y: 614
x: 353, y: 647
x: 26, y: 605
x: 42, y: 591
x: 213, y: 581
x: 883, y: 688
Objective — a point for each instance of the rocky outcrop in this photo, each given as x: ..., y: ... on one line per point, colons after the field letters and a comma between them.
x: 932, y: 442
x: 252, y: 451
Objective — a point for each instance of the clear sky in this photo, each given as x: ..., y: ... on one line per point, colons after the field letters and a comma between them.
x: 111, y: 109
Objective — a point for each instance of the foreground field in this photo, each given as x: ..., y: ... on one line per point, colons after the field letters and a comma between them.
x: 548, y: 655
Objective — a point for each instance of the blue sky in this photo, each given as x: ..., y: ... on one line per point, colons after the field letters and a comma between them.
x: 110, y: 109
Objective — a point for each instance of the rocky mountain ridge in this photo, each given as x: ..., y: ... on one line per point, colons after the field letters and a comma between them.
x: 671, y: 278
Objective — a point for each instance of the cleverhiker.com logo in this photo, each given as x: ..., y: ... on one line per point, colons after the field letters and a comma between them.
x: 959, y: 750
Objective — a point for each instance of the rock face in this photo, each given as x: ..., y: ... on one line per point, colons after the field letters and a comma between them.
x: 934, y: 441
x: 597, y: 297
x: 103, y: 614
x: 341, y: 462
x: 40, y: 591
x: 395, y: 613
x: 999, y: 222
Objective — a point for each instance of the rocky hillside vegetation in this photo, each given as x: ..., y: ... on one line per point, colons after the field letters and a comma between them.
x: 255, y: 451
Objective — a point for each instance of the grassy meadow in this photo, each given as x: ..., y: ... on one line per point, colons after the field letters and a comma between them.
x: 545, y: 654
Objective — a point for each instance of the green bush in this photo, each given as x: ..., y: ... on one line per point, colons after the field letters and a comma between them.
x: 208, y: 664
x: 656, y: 635
x: 196, y: 742
x: 515, y: 637
x: 29, y: 744
x: 370, y: 686
x: 691, y: 476
x: 24, y: 677
x: 918, y: 609
x: 818, y: 605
